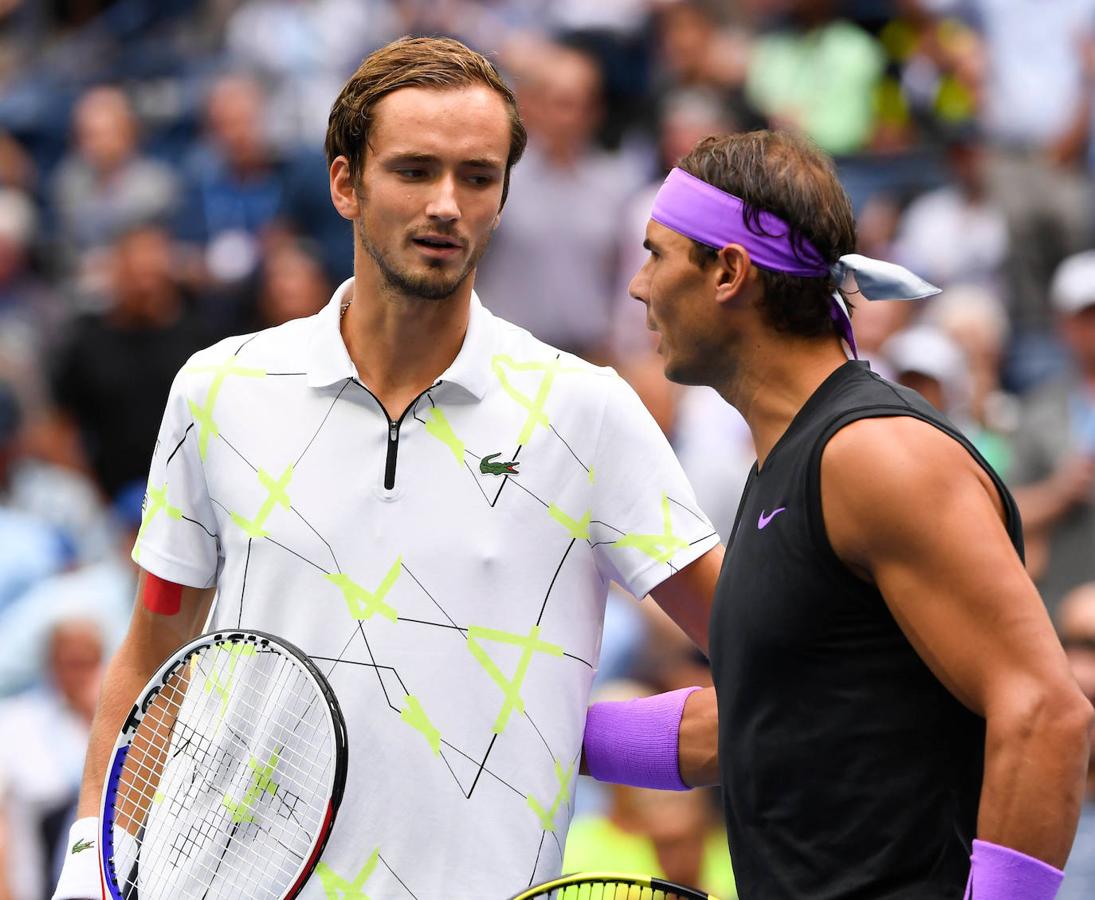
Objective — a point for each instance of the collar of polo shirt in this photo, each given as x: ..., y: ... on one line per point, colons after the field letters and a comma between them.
x: 329, y: 361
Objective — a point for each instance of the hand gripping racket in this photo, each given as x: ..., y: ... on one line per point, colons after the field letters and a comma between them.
x: 609, y: 886
x: 227, y: 775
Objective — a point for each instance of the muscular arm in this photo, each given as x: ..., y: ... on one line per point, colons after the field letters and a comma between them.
x: 908, y: 509
x: 686, y: 596
x: 151, y: 638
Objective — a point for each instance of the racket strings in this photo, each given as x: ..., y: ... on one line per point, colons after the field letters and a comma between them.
x: 611, y: 892
x: 227, y: 779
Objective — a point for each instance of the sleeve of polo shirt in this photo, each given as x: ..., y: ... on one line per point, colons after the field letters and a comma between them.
x: 646, y: 523
x: 177, y: 539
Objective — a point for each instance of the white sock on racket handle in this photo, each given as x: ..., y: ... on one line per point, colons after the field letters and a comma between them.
x: 80, y: 874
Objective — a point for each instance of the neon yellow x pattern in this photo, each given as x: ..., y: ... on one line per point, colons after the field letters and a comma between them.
x: 275, y: 495
x: 335, y: 887
x: 547, y: 816
x: 203, y: 415
x: 660, y: 547
x: 511, y: 687
x: 157, y: 502
x: 262, y: 781
x: 363, y: 603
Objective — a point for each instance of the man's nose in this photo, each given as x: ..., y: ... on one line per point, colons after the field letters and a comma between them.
x: 443, y: 203
x: 639, y: 285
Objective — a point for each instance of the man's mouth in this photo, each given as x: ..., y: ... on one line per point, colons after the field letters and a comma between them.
x: 437, y: 244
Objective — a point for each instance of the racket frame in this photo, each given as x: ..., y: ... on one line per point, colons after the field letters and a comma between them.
x: 589, y: 879
x: 152, y: 689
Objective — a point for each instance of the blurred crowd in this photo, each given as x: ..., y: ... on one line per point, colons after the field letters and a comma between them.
x: 162, y: 185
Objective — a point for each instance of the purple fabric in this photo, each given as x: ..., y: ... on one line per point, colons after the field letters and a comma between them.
x: 635, y: 741
x: 703, y: 212
x: 998, y: 873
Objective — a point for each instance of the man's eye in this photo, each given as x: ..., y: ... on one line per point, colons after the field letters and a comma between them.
x: 481, y: 180
x: 410, y: 173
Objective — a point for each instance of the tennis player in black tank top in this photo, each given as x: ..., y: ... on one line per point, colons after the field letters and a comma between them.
x: 893, y: 701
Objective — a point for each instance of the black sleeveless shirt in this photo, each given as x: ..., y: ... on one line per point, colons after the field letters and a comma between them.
x: 848, y: 770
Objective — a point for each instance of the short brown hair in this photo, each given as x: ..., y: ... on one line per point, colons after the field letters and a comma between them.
x: 440, y: 63
x: 787, y: 175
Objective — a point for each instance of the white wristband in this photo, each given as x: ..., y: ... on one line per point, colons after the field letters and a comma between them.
x: 80, y: 874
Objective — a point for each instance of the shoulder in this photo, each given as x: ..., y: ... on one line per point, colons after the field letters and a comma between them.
x: 515, y: 348
x: 884, y: 480
x: 894, y: 453
x: 279, y: 346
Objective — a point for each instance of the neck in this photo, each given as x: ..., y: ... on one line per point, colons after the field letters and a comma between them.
x: 398, y: 344
x: 775, y: 379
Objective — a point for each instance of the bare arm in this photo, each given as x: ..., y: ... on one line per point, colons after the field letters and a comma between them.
x: 686, y: 596
x: 909, y: 510
x: 151, y: 638
x: 698, y: 740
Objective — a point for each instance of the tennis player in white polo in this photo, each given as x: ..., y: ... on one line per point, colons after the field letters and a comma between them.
x: 431, y: 504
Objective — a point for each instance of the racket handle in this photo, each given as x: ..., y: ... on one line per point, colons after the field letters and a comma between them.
x: 80, y: 874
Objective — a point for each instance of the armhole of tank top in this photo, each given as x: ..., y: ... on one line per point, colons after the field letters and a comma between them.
x: 749, y: 482
x: 815, y: 514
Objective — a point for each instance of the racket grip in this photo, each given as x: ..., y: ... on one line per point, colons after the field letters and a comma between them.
x: 80, y: 873
x: 999, y: 873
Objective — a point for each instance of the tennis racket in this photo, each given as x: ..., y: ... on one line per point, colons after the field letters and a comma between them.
x: 610, y: 886
x: 226, y: 777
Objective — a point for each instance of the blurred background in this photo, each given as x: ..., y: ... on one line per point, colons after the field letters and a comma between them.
x: 162, y: 185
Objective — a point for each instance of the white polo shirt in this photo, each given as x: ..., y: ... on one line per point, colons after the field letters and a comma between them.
x: 446, y: 570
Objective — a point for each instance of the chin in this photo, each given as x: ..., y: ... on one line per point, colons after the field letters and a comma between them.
x: 680, y: 373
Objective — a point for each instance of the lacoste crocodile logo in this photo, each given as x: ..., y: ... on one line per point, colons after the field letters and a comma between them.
x: 497, y: 468
x: 81, y: 845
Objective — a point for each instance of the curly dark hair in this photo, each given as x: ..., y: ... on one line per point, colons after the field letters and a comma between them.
x: 786, y: 175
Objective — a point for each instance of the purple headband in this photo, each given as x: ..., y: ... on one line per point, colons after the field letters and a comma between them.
x: 696, y: 209
x: 703, y: 212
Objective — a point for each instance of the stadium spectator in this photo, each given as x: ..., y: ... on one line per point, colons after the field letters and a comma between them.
x: 30, y: 310
x: 956, y: 233
x: 817, y: 73
x: 100, y: 591
x: 1036, y: 107
x: 234, y: 183
x: 976, y: 320
x: 551, y: 268
x: 30, y: 549
x: 1053, y: 460
x: 304, y: 51
x: 292, y: 284
x: 105, y: 186
x: 41, y: 757
x: 112, y: 375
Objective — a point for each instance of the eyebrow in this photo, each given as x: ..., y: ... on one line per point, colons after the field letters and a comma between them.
x: 484, y: 162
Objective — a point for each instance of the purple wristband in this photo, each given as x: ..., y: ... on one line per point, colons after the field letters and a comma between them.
x: 998, y: 873
x: 635, y: 741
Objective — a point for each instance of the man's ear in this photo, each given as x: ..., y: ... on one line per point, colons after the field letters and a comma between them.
x: 733, y: 272
x: 343, y: 193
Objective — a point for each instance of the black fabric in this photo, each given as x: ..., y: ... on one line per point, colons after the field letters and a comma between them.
x: 114, y: 382
x: 848, y: 770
